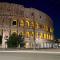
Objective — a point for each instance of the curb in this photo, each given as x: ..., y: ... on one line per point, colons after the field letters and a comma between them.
x: 22, y: 51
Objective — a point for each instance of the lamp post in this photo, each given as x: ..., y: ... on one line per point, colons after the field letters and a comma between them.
x: 34, y: 31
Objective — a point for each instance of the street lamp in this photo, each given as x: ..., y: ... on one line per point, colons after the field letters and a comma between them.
x: 34, y: 30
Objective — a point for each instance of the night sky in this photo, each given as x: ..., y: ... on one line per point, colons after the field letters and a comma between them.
x: 50, y: 7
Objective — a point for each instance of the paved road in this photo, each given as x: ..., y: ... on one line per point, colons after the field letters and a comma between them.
x: 28, y: 56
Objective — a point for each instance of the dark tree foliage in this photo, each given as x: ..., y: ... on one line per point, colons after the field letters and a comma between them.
x: 13, y: 41
x: 21, y: 41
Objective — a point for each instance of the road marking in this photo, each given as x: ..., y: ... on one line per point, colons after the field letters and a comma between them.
x: 22, y: 51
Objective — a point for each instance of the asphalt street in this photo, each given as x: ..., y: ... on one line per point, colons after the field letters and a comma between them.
x: 28, y: 56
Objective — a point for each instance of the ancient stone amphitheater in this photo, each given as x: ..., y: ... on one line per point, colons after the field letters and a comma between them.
x: 34, y: 25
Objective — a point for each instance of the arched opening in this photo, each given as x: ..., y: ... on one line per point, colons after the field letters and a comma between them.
x: 21, y: 23
x: 27, y: 23
x: 36, y: 25
x: 31, y: 24
x: 0, y: 39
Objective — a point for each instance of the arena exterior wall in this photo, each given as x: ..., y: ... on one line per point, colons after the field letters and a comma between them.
x: 32, y: 23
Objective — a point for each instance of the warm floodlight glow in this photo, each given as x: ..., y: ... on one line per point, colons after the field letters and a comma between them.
x: 22, y: 23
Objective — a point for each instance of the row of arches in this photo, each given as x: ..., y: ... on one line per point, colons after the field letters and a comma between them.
x: 33, y: 24
x: 38, y: 35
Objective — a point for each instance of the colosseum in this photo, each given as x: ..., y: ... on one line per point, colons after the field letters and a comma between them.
x: 32, y: 23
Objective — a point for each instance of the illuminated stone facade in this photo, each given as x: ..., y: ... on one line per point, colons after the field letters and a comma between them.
x: 32, y: 23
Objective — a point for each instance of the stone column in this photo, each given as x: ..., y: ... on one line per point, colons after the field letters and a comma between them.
x: 4, y: 38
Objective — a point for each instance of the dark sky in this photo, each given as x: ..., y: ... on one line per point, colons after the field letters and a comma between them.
x: 50, y: 7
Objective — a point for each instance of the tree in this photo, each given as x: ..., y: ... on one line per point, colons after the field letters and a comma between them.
x: 21, y: 41
x: 13, y: 41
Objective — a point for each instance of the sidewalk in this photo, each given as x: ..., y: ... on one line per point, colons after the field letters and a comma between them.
x: 38, y: 50
x: 30, y: 51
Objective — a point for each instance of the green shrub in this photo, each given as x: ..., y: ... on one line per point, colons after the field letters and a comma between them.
x: 12, y: 42
x: 21, y: 41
